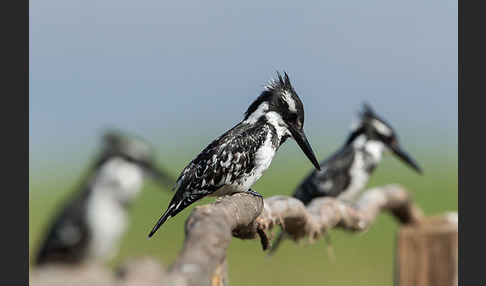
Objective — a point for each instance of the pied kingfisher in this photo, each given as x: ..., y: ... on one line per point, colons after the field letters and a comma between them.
x: 347, y: 171
x: 91, y: 223
x: 236, y: 160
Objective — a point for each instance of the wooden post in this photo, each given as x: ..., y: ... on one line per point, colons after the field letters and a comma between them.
x: 426, y: 253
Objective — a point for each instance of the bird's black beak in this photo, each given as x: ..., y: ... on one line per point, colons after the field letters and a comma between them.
x: 405, y: 157
x: 301, y: 139
x: 159, y: 176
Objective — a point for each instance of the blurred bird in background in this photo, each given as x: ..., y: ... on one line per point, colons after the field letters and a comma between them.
x: 345, y: 173
x: 237, y: 159
x: 92, y: 221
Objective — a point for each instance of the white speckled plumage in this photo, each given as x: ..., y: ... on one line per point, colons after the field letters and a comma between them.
x: 238, y: 158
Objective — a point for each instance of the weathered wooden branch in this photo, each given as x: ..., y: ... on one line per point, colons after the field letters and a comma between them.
x: 208, y: 233
x: 323, y: 214
x: 209, y: 228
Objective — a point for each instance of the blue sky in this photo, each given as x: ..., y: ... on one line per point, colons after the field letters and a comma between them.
x: 173, y: 70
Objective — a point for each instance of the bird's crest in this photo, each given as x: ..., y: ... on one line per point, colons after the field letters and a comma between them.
x: 279, y: 83
x: 366, y: 111
x: 276, y: 85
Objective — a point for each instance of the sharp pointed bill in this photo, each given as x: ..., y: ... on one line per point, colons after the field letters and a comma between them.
x: 405, y: 157
x: 238, y: 158
x: 302, y: 141
x: 380, y: 130
x: 345, y: 173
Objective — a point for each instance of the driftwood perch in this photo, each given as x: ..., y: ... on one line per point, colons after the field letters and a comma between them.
x: 209, y: 228
x: 208, y: 233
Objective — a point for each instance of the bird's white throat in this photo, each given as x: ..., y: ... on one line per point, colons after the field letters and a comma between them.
x: 117, y: 182
x: 373, y: 147
x: 277, y: 122
x: 120, y: 179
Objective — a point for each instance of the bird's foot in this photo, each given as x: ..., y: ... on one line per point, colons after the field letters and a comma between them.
x: 250, y: 191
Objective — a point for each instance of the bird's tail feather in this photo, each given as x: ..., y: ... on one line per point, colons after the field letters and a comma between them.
x: 278, y: 240
x: 167, y: 214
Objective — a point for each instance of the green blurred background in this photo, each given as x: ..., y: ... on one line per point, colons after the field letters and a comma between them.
x: 361, y: 259
x: 180, y: 73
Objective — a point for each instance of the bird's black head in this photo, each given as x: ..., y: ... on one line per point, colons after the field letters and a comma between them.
x: 134, y: 150
x: 280, y: 106
x: 280, y: 97
x: 374, y: 128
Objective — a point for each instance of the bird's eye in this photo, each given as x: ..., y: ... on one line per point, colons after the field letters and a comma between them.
x: 293, y: 117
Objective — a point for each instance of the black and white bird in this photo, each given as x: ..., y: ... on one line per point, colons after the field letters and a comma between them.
x: 92, y: 222
x: 345, y: 173
x: 236, y: 160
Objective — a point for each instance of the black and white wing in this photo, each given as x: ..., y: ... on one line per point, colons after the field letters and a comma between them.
x: 331, y: 181
x: 224, y: 162
x: 67, y: 238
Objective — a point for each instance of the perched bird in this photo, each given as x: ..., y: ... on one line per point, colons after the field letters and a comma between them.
x: 91, y: 223
x: 347, y: 171
x: 237, y: 159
